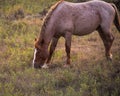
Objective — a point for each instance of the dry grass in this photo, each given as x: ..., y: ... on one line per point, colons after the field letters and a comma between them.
x: 91, y: 74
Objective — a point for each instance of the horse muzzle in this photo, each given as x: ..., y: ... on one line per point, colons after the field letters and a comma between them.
x: 37, y: 65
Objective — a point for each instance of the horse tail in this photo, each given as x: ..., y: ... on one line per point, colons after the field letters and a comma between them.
x: 116, y: 20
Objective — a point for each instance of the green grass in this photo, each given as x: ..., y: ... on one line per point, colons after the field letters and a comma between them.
x: 91, y: 74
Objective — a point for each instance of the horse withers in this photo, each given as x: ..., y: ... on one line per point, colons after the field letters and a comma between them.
x: 67, y: 19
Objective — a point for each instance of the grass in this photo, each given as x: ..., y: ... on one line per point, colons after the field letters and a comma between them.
x: 91, y: 74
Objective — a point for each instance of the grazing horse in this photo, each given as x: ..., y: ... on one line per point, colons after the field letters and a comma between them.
x: 67, y: 19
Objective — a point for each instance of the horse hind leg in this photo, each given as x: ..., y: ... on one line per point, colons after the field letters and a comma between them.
x: 108, y: 39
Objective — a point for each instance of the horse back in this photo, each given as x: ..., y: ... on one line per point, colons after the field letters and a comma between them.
x: 80, y: 18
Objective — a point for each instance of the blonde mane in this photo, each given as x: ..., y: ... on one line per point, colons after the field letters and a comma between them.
x: 47, y: 17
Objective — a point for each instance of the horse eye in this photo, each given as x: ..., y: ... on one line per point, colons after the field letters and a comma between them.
x: 37, y: 49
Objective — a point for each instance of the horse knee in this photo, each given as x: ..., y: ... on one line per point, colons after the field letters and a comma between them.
x: 111, y: 38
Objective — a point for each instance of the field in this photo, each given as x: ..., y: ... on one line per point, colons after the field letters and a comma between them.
x: 90, y: 75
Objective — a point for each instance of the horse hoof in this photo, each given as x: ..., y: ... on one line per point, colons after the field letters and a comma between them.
x: 45, y: 66
x: 109, y: 58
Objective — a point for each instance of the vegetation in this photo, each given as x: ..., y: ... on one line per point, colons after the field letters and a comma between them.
x: 91, y: 74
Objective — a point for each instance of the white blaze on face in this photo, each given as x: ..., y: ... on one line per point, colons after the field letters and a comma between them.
x: 34, y: 56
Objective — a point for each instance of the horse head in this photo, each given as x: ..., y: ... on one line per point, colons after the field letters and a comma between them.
x: 40, y: 54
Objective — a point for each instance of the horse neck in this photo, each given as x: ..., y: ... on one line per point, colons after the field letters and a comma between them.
x: 47, y: 30
x: 45, y: 38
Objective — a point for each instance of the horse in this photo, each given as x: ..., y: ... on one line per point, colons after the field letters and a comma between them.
x: 65, y: 19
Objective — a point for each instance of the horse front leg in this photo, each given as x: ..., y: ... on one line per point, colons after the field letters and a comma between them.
x: 52, y: 49
x: 68, y: 37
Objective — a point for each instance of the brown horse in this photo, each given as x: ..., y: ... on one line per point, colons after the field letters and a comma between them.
x: 67, y: 19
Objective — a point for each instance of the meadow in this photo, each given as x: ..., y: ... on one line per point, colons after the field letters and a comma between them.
x: 90, y: 75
